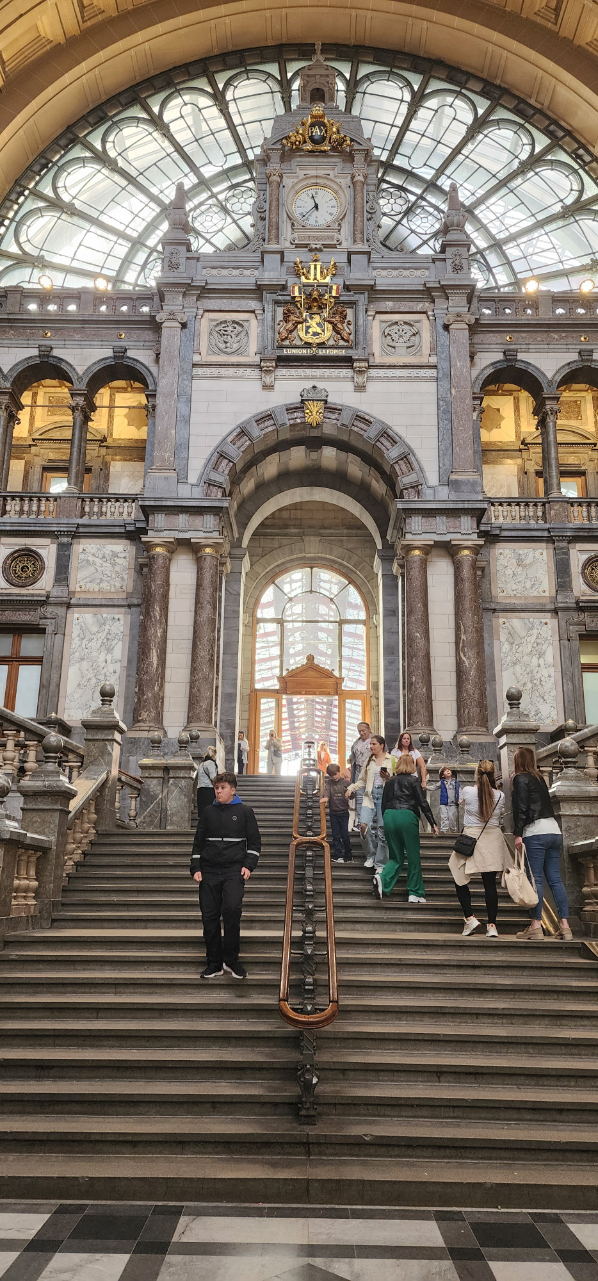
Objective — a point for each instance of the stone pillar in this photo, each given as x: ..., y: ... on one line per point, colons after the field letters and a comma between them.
x: 479, y: 410
x: 274, y: 176
x: 472, y: 709
x: 515, y: 730
x: 182, y: 772
x: 83, y: 408
x: 359, y: 181
x: 47, y: 795
x: 547, y: 411
x: 200, y: 710
x: 150, y: 406
x: 151, y: 662
x: 420, y: 708
x: 232, y: 626
x: 465, y: 477
x: 161, y: 478
x: 390, y: 683
x: 9, y: 408
x: 575, y: 801
x: 103, y: 737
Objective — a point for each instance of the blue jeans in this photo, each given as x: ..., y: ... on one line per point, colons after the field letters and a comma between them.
x: 544, y: 854
x: 376, y: 846
x: 339, y: 825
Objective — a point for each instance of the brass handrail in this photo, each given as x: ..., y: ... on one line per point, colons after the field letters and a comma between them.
x: 321, y: 1018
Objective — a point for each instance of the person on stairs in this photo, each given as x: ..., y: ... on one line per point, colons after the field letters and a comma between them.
x: 483, y: 805
x: 205, y: 779
x: 449, y: 800
x: 535, y: 825
x: 377, y: 768
x: 242, y: 753
x: 335, y: 796
x: 403, y: 800
x: 273, y: 747
x: 225, y: 852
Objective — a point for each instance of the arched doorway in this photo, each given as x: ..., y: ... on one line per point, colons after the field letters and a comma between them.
x: 310, y: 671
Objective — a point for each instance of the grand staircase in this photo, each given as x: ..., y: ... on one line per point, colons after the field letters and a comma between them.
x: 460, y: 1072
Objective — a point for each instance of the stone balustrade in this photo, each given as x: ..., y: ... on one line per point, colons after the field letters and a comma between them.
x: 80, y: 506
x: 131, y: 786
x: 524, y: 511
x: 82, y: 821
x: 584, y: 512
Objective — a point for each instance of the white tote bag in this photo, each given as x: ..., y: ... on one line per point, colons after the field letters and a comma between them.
x: 514, y: 879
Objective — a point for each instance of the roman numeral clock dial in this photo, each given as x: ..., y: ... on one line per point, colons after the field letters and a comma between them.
x: 316, y: 206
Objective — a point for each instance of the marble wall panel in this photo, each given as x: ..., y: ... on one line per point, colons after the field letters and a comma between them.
x: 522, y: 572
x: 126, y: 477
x: 441, y: 607
x: 102, y: 567
x: 95, y: 657
x: 527, y: 660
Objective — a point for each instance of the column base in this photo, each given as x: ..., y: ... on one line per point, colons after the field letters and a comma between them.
x: 465, y: 484
x: 141, y: 729
x: 161, y: 483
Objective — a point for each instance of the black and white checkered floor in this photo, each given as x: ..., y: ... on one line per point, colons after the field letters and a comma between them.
x: 119, y: 1242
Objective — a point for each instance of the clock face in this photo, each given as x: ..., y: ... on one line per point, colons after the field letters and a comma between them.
x: 316, y: 206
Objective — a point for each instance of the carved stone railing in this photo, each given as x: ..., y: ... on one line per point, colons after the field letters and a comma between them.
x: 516, y: 511
x: 129, y: 785
x: 549, y: 760
x: 584, y: 512
x: 82, y: 821
x: 80, y: 506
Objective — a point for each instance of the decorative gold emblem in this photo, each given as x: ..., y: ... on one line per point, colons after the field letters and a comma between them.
x: 23, y: 568
x: 589, y: 573
x: 314, y: 412
x: 314, y: 312
x: 317, y: 133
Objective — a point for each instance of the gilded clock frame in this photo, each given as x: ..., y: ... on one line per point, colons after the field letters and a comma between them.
x: 323, y: 186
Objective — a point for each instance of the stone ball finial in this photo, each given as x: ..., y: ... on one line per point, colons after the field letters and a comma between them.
x: 568, y: 752
x: 570, y: 728
x: 437, y: 743
x: 424, y: 739
x: 5, y: 786
x: 155, y: 737
x: 183, y: 741
x: 464, y: 743
x: 513, y: 697
x: 52, y: 746
x: 107, y: 692
x: 194, y: 735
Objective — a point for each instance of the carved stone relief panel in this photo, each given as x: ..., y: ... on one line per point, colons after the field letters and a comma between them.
x: 401, y: 338
x: 228, y: 336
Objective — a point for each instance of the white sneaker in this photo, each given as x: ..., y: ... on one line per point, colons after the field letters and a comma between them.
x: 491, y: 932
x: 470, y: 926
x: 413, y: 898
x: 369, y: 862
x: 378, y: 885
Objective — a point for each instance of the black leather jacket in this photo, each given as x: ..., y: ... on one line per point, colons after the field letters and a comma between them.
x: 531, y: 800
x: 404, y: 792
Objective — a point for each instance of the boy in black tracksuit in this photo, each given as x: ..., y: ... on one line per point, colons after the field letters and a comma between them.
x: 225, y: 852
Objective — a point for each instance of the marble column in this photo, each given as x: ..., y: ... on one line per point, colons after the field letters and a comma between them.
x: 472, y: 712
x: 465, y: 477
x: 359, y: 181
x: 547, y: 411
x: 390, y: 684
x: 82, y: 408
x: 420, y: 708
x: 9, y: 408
x: 161, y: 478
x: 232, y: 640
x: 274, y: 176
x: 150, y: 407
x: 200, y: 710
x: 151, y: 662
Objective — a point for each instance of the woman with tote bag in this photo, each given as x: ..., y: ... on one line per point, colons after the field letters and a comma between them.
x: 483, y: 805
x: 535, y: 825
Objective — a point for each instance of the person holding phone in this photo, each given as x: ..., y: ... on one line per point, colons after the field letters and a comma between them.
x: 371, y: 781
x: 403, y: 800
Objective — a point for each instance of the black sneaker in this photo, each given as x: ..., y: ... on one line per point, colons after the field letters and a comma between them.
x: 237, y: 970
x: 212, y: 971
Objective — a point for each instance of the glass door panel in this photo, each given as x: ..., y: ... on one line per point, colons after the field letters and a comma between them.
x: 353, y: 715
x: 590, y: 694
x: 3, y: 678
x: 27, y: 690
x: 308, y: 717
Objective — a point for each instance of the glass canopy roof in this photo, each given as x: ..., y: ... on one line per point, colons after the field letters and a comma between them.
x: 93, y: 203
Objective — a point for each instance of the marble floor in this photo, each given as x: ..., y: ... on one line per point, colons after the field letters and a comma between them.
x: 53, y: 1241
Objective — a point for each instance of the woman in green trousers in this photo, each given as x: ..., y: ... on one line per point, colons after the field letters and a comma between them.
x: 402, y: 803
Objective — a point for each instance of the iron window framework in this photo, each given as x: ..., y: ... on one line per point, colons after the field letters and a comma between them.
x: 94, y: 201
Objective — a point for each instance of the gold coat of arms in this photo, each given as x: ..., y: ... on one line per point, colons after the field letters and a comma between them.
x: 315, y: 313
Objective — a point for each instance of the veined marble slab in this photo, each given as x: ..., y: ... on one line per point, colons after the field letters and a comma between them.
x: 527, y: 661
x: 95, y: 657
x: 522, y: 571
x: 126, y: 477
x: 103, y: 567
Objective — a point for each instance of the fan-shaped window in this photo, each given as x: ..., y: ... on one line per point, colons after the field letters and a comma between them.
x: 94, y: 203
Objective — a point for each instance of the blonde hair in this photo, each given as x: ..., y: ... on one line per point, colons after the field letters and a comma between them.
x: 405, y: 765
x: 486, y: 782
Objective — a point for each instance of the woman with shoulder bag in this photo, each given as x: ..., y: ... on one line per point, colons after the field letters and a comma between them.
x: 534, y: 823
x: 377, y: 768
x: 207, y: 771
x: 483, y: 805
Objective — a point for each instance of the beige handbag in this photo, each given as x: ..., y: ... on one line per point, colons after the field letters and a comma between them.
x: 514, y: 879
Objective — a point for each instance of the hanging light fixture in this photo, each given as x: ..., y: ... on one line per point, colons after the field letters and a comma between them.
x: 101, y: 283
x: 586, y: 286
x: 45, y: 281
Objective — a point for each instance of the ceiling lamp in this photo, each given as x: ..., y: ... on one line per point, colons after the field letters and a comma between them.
x: 586, y: 286
x: 45, y: 281
x: 101, y: 283
x: 531, y: 286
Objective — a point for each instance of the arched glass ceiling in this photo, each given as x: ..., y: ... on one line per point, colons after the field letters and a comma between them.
x: 94, y: 201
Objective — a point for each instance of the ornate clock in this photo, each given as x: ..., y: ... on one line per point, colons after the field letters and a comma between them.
x: 316, y: 206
